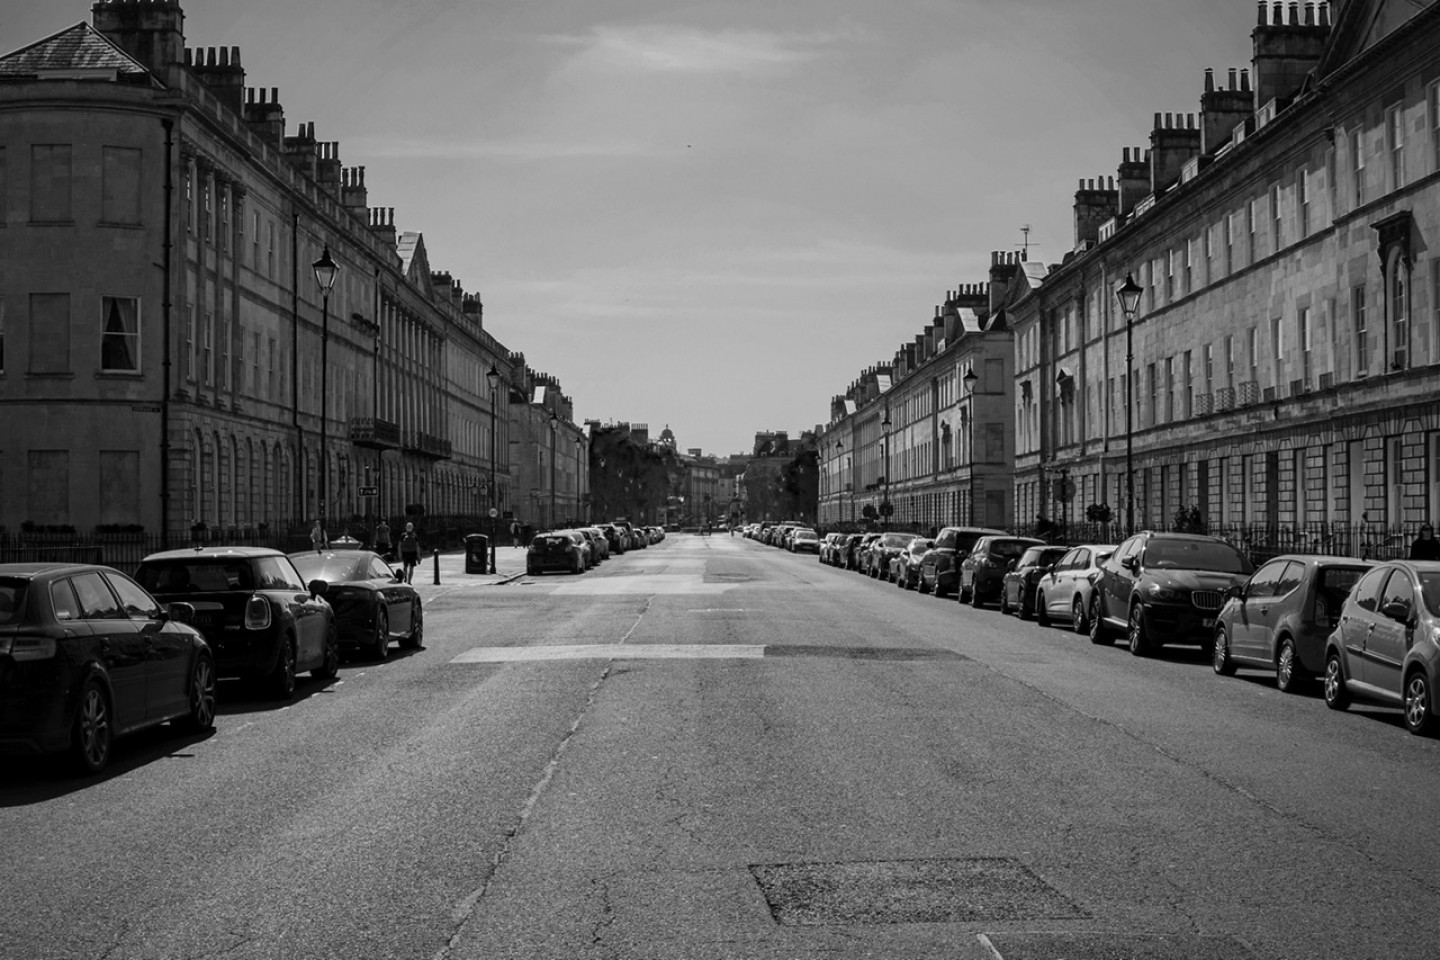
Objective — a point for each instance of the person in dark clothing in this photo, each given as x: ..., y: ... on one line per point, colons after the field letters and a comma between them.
x: 410, y: 551
x: 1425, y: 547
x: 382, y: 539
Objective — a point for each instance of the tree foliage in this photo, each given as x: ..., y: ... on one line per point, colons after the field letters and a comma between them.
x: 631, y: 479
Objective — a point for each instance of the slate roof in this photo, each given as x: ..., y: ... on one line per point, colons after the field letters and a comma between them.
x: 79, y: 48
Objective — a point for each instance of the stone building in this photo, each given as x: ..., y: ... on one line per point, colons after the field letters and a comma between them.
x: 1286, y: 350
x: 167, y: 356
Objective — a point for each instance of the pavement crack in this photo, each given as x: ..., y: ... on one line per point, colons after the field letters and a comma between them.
x: 466, y: 908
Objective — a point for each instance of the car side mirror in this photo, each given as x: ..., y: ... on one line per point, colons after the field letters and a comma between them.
x: 1235, y: 591
x: 180, y: 612
x: 1397, y: 610
x: 1131, y: 563
x: 1050, y: 569
x: 317, y: 588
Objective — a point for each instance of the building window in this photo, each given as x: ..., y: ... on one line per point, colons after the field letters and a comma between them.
x: 2, y: 336
x: 1170, y: 276
x: 270, y: 250
x: 1399, y: 312
x: 1275, y: 224
x: 1433, y: 479
x: 120, y: 335
x: 1394, y: 481
x: 1362, y: 333
x: 189, y: 199
x: 1229, y: 243
x: 1253, y: 250
x: 1302, y: 513
x: 1209, y: 369
x: 1305, y: 339
x: 1357, y: 165
x: 50, y: 183
x: 1277, y: 348
x: 1435, y: 124
x: 1189, y: 276
x: 207, y: 347
x: 1169, y: 389
x: 1395, y: 137
x: 1355, y: 483
x: 1434, y: 312
x: 1152, y: 390
x: 1302, y: 196
x: 1187, y: 370
x: 1210, y: 255
x: 1254, y: 355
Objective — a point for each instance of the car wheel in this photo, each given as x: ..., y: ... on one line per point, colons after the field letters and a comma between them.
x: 1079, y: 622
x: 380, y: 641
x: 1419, y: 718
x: 202, y: 697
x: 1337, y: 696
x: 281, y: 682
x: 1005, y: 602
x: 961, y: 594
x: 920, y: 586
x: 415, y: 639
x: 91, y: 736
x: 975, y: 599
x: 331, y: 666
x: 1038, y: 610
x: 1220, y: 660
x: 1099, y: 633
x: 1138, y: 632
x: 1289, y: 674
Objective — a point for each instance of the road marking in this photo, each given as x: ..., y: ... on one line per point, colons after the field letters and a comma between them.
x: 614, y: 651
x: 645, y: 585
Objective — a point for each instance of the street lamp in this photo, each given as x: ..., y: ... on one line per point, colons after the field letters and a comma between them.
x: 493, y: 376
x: 885, y: 508
x: 325, y: 273
x: 969, y: 380
x: 554, y: 426
x: 1129, y: 296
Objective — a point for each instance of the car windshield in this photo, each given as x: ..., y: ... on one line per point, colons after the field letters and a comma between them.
x: 1430, y: 590
x: 12, y: 599
x: 330, y: 568
x: 920, y: 546
x: 806, y: 535
x: 198, y: 575
x: 1195, y: 555
x: 1009, y: 548
x: 896, y: 539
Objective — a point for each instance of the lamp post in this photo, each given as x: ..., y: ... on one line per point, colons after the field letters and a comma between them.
x: 885, y: 508
x: 325, y: 273
x: 554, y: 426
x: 969, y: 380
x: 493, y: 376
x: 1129, y: 296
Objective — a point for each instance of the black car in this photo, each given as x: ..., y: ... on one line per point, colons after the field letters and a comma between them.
x: 557, y: 550
x: 371, y: 603
x: 1165, y: 588
x: 87, y: 655
x: 261, y: 619
x: 940, y: 568
x: 982, y: 573
x: 885, y: 550
x: 1017, y: 589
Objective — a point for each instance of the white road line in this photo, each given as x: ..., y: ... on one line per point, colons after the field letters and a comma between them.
x: 985, y: 941
x: 613, y: 651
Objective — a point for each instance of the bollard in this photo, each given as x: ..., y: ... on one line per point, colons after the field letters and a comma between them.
x: 436, y: 553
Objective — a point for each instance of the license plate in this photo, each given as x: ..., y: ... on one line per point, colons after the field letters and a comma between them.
x: 1208, y: 622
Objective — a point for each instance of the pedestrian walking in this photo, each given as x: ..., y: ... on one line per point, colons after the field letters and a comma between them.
x: 382, y: 539
x: 318, y: 539
x: 1425, y: 547
x: 410, y: 551
x: 515, y: 534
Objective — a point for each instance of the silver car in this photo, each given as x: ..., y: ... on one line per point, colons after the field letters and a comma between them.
x: 1064, y: 593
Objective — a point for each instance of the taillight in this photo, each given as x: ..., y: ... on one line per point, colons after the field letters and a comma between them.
x: 1322, y: 615
x: 257, y: 614
x: 27, y: 648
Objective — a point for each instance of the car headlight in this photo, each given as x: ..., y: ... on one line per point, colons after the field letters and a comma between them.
x: 1164, y: 594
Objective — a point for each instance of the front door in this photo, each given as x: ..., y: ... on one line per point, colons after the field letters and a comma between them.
x: 1250, y: 629
x: 121, y: 648
x: 1391, y: 639
x: 168, y: 651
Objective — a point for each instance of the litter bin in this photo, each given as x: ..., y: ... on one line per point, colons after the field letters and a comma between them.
x: 477, y: 553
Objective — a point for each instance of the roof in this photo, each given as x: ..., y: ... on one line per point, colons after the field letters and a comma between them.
x: 81, y: 49
x: 190, y: 553
x: 47, y: 567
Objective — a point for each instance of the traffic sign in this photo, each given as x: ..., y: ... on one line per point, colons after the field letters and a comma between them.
x: 369, y: 491
x: 494, y: 513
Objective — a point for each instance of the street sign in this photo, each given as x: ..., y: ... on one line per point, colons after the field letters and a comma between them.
x: 145, y: 407
x: 369, y: 491
x: 494, y: 513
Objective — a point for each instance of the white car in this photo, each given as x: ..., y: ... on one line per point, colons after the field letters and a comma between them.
x: 1064, y: 593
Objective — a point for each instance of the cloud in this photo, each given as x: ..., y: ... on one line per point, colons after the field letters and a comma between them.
x: 511, y: 150
x: 654, y: 48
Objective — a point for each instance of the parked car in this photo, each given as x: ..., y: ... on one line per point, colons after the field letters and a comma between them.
x: 1164, y: 588
x: 1281, y: 617
x: 940, y: 568
x: 884, y: 550
x: 905, y: 568
x: 983, y: 571
x: 805, y: 540
x: 87, y: 655
x: 1386, y: 647
x: 1017, y: 587
x: 598, y: 539
x: 372, y: 603
x: 850, y: 551
x: 829, y: 546
x: 262, y: 620
x: 1064, y: 593
x: 862, y: 551
x: 556, y: 550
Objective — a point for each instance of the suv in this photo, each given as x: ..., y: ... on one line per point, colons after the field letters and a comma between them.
x: 982, y: 573
x: 260, y: 617
x: 1165, y: 588
x: 940, y: 568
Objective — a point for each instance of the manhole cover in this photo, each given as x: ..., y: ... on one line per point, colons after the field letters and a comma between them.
x: 861, y: 653
x: 908, y: 891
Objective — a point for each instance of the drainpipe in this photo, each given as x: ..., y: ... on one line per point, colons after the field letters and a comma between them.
x: 165, y: 361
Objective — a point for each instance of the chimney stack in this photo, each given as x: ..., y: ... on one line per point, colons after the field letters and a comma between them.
x: 1286, y: 49
x: 1096, y: 201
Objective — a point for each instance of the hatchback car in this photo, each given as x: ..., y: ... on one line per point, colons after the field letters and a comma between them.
x: 862, y: 551
x: 86, y: 655
x: 1164, y: 588
x: 884, y: 550
x: 557, y: 550
x: 1017, y: 587
x: 1280, y: 618
x: 1386, y: 647
x: 260, y: 617
x: 940, y: 568
x: 983, y: 571
x: 905, y: 568
x: 372, y: 603
x: 804, y: 540
x: 1064, y: 593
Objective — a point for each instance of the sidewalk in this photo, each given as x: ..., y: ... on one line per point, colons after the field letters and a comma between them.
x: 509, y: 563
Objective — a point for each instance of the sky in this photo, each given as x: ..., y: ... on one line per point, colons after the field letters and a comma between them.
x: 716, y: 215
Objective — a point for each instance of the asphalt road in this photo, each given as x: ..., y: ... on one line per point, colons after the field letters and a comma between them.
x: 756, y: 757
